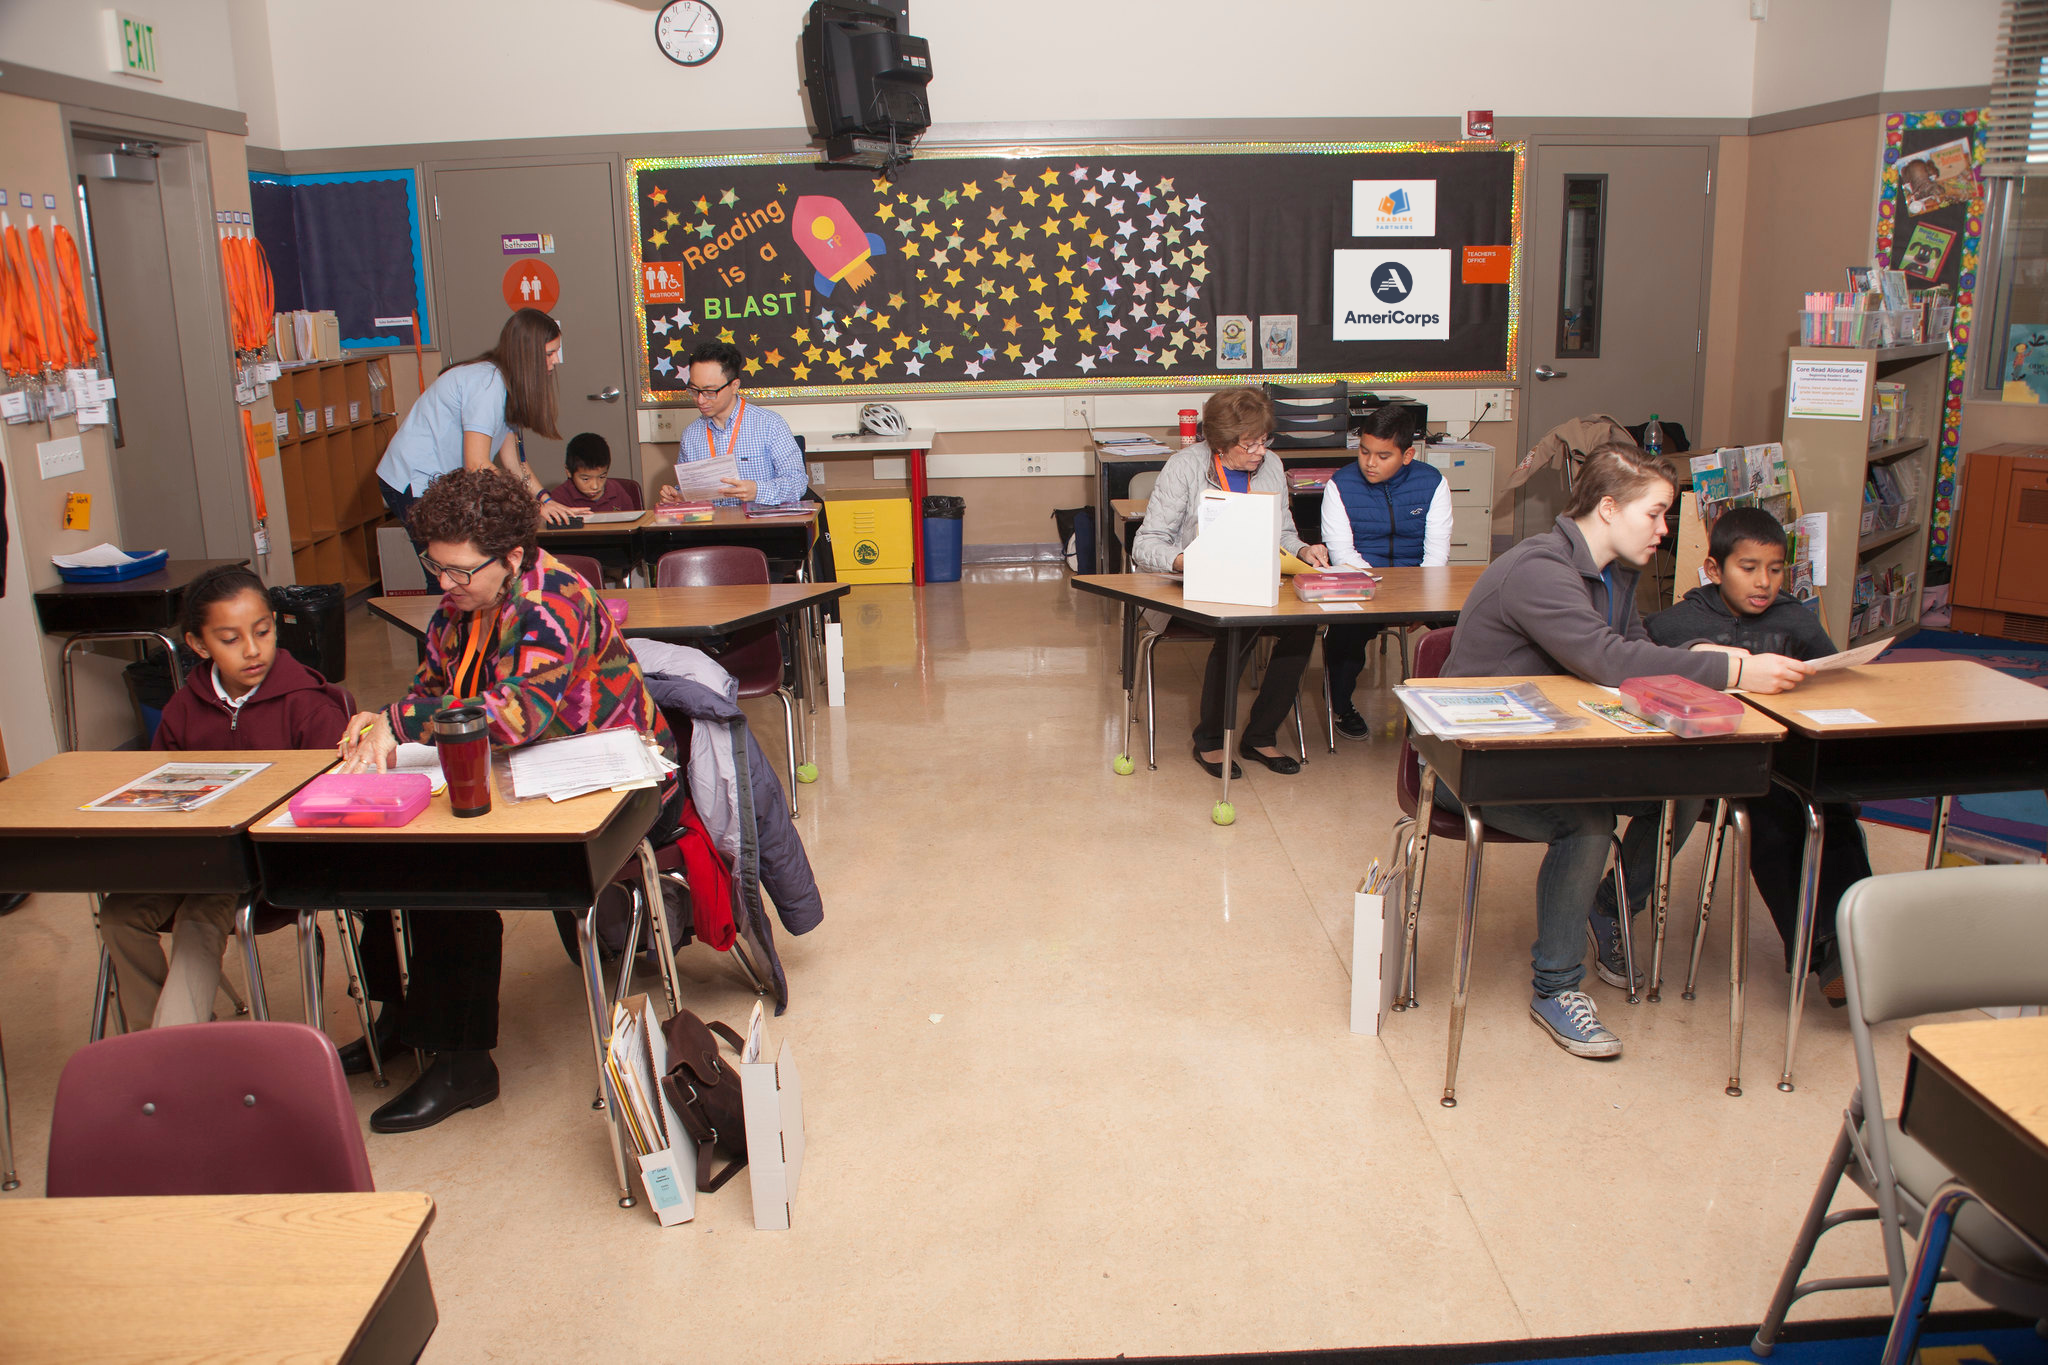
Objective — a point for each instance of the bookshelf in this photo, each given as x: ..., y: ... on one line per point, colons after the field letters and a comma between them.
x: 334, y: 419
x: 1833, y: 459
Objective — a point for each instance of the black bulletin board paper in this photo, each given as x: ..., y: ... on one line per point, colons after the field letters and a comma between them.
x: 1056, y: 269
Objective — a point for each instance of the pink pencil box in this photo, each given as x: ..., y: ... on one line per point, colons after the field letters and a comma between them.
x: 617, y: 607
x: 361, y: 800
x: 1682, y: 706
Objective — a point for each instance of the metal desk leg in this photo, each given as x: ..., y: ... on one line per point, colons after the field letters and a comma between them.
x: 252, y: 962
x: 1738, y: 943
x: 1461, y: 980
x: 1904, y: 1338
x: 87, y: 637
x: 1663, y: 898
x: 352, y: 959
x: 1710, y: 872
x: 1425, y: 807
x: 8, y: 1179
x: 1937, y: 830
x: 309, y: 968
x: 1223, y: 813
x: 650, y: 879
x: 1122, y: 763
x: 600, y: 1039
x: 1802, y: 940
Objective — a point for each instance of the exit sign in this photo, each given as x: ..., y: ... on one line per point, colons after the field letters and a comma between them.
x: 132, y: 46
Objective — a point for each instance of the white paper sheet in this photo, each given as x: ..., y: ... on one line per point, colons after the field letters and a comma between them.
x: 100, y: 556
x: 1851, y: 658
x: 1841, y: 715
x: 565, y: 768
x: 421, y: 758
x: 700, y: 480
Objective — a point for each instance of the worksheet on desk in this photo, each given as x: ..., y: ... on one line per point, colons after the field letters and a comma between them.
x: 701, y: 480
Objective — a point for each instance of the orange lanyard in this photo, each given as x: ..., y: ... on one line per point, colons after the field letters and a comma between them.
x: 21, y: 288
x: 732, y: 434
x: 469, y: 673
x: 1222, y: 478
x: 71, y: 276
x: 56, y: 337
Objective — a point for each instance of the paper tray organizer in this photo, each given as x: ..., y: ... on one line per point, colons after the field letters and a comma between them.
x: 145, y: 562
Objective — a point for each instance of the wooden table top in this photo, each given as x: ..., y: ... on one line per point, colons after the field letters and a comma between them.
x: 1128, y: 509
x: 173, y: 577
x: 1402, y: 594
x: 2002, y: 1062
x: 1567, y: 692
x: 722, y: 519
x: 651, y: 611
x: 46, y: 798
x: 551, y: 534
x: 221, y: 1278
x: 571, y: 821
x: 1940, y: 695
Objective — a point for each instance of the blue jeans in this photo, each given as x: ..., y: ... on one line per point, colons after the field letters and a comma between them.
x: 1578, y: 836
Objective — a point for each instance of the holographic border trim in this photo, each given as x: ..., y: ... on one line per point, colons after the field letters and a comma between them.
x: 835, y: 393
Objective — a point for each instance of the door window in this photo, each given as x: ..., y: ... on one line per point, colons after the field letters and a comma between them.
x: 1578, y: 290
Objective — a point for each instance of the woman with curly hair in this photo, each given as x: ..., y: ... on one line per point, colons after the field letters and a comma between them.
x: 518, y: 633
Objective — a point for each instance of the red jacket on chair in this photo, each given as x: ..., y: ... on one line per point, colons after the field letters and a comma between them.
x: 293, y: 708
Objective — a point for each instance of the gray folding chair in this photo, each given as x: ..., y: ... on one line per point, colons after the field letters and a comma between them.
x: 1917, y: 943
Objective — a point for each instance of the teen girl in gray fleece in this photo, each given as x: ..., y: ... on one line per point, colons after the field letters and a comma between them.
x: 1563, y: 601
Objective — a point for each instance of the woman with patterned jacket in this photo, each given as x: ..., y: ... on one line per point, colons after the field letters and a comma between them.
x: 520, y: 634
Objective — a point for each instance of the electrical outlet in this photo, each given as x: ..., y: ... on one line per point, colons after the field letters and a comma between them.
x: 1035, y: 463
x: 1500, y: 401
x: 1080, y: 413
x: 817, y: 471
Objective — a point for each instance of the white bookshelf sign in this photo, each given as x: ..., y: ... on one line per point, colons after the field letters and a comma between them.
x: 1832, y: 390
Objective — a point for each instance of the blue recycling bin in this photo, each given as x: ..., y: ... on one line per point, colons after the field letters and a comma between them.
x: 944, y: 526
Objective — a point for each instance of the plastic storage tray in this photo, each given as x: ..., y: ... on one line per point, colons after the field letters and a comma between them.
x: 361, y: 800
x: 1334, y: 587
x: 1682, y: 706
x: 145, y: 562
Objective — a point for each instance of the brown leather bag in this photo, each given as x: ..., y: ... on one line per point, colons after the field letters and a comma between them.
x: 705, y: 1091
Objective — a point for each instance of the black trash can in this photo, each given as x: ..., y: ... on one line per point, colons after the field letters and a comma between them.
x: 149, y: 685
x: 311, y: 626
x: 944, y: 525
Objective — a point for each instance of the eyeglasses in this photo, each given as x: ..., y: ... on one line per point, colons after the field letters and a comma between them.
x: 1261, y: 443
x: 436, y: 572
x: 717, y: 388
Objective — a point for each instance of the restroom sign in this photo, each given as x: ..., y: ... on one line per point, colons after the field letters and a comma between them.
x: 532, y: 284
x: 662, y: 281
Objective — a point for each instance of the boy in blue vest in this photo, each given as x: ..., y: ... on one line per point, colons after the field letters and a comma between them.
x: 1384, y: 510
x: 1745, y: 606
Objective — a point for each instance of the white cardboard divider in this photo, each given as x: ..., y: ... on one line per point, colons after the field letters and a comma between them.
x: 1236, y: 557
x: 1376, y: 932
x: 773, y: 1096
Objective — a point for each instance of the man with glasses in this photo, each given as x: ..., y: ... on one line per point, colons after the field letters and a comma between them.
x: 1236, y: 425
x: 770, y: 463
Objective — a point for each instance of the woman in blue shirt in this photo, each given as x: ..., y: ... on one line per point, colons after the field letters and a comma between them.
x: 469, y: 413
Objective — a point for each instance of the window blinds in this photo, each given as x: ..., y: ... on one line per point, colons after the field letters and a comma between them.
x: 2017, y: 142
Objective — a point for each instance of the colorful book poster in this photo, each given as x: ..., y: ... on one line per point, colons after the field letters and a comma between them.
x: 1927, y: 249
x: 2026, y: 363
x: 1937, y: 177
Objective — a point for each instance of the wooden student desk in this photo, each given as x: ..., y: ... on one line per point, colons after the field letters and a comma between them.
x: 614, y: 544
x: 1595, y: 762
x: 1939, y: 729
x: 1977, y: 1099
x: 779, y: 538
x: 48, y: 844
x: 1427, y: 596
x: 533, y: 855
x: 301, y: 1277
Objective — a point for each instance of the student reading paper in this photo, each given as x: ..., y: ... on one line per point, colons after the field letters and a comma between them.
x: 1563, y: 601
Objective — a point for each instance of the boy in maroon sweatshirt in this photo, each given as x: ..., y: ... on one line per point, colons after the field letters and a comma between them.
x: 245, y: 694
x: 589, y: 488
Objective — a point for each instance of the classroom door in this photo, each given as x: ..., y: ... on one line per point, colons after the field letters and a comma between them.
x: 485, y: 221
x: 155, y: 476
x: 1616, y: 268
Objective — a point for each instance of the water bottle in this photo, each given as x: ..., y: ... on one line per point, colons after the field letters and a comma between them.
x: 1653, y: 437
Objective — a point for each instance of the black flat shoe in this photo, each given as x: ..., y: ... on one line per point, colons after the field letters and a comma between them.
x: 1216, y: 769
x: 1284, y: 764
x: 454, y: 1082
x: 355, y: 1056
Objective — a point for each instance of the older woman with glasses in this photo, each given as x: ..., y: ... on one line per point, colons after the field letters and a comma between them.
x: 1237, y: 424
x: 518, y: 633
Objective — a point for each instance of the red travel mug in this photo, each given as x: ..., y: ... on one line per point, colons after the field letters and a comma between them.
x: 1187, y: 426
x: 462, y: 734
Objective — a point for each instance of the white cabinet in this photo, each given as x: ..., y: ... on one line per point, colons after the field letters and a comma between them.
x: 1467, y: 466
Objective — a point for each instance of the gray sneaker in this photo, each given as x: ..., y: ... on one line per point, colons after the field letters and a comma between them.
x: 1569, y: 1018
x: 1604, y: 933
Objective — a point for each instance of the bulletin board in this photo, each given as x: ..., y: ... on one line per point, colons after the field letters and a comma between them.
x: 1124, y: 267
x: 1930, y: 222
x: 350, y: 242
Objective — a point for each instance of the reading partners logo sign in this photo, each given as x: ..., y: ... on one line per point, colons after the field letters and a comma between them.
x: 1393, y: 208
x: 1391, y: 295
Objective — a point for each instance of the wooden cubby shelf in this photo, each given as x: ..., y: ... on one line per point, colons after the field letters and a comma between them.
x: 333, y: 440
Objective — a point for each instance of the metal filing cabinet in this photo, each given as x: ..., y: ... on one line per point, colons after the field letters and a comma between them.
x: 1467, y: 467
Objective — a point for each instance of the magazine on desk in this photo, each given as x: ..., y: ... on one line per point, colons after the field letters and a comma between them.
x: 177, y: 787
x: 1452, y: 712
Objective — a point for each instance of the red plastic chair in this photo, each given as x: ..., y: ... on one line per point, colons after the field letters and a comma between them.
x: 206, y: 1109
x: 1429, y: 663
x: 754, y: 656
x: 587, y: 568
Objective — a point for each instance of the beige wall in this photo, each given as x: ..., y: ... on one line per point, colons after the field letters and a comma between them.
x: 1810, y: 199
x: 1724, y: 296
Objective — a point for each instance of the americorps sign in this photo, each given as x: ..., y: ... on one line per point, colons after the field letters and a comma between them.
x: 1390, y: 295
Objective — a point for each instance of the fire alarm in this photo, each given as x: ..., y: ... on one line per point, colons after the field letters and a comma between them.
x: 1479, y: 125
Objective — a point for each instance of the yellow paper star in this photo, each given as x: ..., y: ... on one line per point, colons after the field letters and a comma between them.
x: 772, y: 358
x: 658, y: 195
x: 703, y: 205
x: 996, y: 214
x: 1017, y: 232
x: 1086, y: 334
x: 1200, y: 272
x: 895, y: 300
x: 1007, y: 180
x: 659, y: 237
x: 1027, y: 263
x: 900, y: 340
x: 921, y: 204
x: 952, y: 308
x: 1079, y: 220
x: 885, y: 211
x: 1199, y: 249
x: 813, y: 354
x: 1008, y: 294
x: 1073, y: 314
x: 1050, y: 333
x: 1036, y: 284
x: 868, y: 371
x: 1056, y: 201
x: 1166, y: 185
x: 985, y: 287
x: 675, y: 347
x: 1028, y: 196
x: 952, y: 277
x: 972, y: 255
x: 989, y: 238
x: 1010, y: 325
x: 846, y: 373
x: 1065, y: 251
x: 1051, y: 177
x: 930, y: 298
x: 1044, y: 312
x: 929, y: 231
x: 884, y: 357
x: 981, y: 310
x: 800, y: 335
x: 1014, y: 351
x: 1050, y: 227
x: 1097, y: 238
x: 913, y: 249
x: 725, y: 334
x: 945, y: 353
x: 1064, y: 274
x: 800, y: 372
x: 671, y: 218
x: 971, y: 190
x: 781, y: 188
x: 881, y: 185
x: 1080, y: 294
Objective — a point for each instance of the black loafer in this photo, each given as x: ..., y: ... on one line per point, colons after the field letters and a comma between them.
x: 454, y: 1082
x: 355, y: 1056
x: 1284, y: 764
x: 1216, y: 769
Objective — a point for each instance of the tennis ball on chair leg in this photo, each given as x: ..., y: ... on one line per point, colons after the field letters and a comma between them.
x: 1123, y: 765
x: 807, y: 772
x: 1223, y: 813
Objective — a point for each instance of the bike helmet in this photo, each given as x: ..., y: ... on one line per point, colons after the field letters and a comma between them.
x: 881, y: 419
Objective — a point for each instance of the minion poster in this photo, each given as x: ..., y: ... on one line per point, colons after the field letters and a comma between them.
x: 1023, y: 270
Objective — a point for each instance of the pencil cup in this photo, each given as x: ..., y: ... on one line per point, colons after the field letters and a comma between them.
x: 462, y: 734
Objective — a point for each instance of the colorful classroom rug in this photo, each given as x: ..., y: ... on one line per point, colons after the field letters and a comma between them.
x: 1977, y: 1338
x: 2017, y: 818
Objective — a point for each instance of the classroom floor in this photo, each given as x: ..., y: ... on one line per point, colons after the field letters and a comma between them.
x: 1077, y: 1068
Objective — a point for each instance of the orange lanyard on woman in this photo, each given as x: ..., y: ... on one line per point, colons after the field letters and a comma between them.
x: 732, y: 434
x: 468, y: 679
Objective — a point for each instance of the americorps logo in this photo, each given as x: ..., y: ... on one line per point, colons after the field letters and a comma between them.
x: 1390, y: 294
x: 1393, y: 208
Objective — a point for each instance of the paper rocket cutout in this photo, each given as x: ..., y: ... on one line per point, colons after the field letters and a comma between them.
x: 834, y: 243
